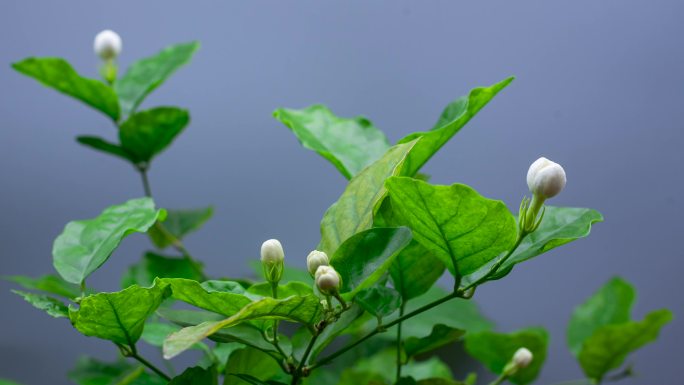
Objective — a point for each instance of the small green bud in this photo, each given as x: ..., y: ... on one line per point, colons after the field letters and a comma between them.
x: 272, y: 260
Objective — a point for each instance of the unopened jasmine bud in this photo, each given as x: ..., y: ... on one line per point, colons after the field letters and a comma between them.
x: 107, y: 45
x: 315, y: 259
x: 545, y: 178
x: 522, y: 358
x: 272, y: 260
x: 327, y: 280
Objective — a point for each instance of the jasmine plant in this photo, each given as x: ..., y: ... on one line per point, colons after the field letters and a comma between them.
x: 367, y: 309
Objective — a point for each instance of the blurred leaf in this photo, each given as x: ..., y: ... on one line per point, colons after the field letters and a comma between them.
x: 251, y: 362
x: 246, y: 378
x: 85, y: 245
x: 381, y: 367
x: 7, y: 382
x: 305, y: 310
x: 147, y: 133
x: 560, y: 225
x: 89, y: 371
x: 495, y: 350
x: 48, y: 283
x: 349, y: 144
x: 364, y: 258
x: 441, y: 335
x: 119, y: 316
x: 196, y: 376
x: 610, y: 305
x: 51, y: 306
x: 102, y: 145
x: 380, y: 301
x: 147, y: 74
x: 455, y: 116
x: 608, y: 347
x: 354, y: 211
x: 180, y: 223
x: 154, y: 266
x: 454, y: 222
x: 59, y: 74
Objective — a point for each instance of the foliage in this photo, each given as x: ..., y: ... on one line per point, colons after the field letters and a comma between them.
x: 389, y: 238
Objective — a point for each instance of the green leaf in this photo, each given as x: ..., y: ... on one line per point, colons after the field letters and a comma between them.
x: 180, y: 223
x: 48, y: 283
x: 495, y: 350
x: 250, y: 362
x: 99, y: 144
x: 380, y: 366
x: 608, y: 347
x: 610, y: 305
x: 380, y: 301
x: 118, y: 317
x: 147, y: 74
x: 560, y: 225
x: 438, y: 381
x: 331, y: 332
x: 354, y: 211
x: 196, y: 376
x: 255, y: 381
x: 7, y: 382
x: 226, y: 298
x: 148, y: 133
x: 454, y: 117
x: 454, y: 222
x: 154, y: 266
x: 305, y: 310
x: 85, y: 245
x: 51, y: 306
x: 431, y: 368
x: 291, y: 288
x: 441, y: 335
x: 89, y: 371
x: 349, y: 144
x: 364, y: 258
x: 156, y: 332
x: 59, y: 74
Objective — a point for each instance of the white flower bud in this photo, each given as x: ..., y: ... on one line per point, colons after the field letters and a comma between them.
x: 107, y: 45
x: 272, y: 252
x: 545, y: 178
x: 315, y: 259
x: 522, y: 358
x: 327, y: 280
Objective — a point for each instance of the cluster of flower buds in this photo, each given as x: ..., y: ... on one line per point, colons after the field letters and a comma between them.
x: 107, y: 47
x: 316, y: 259
x: 272, y: 260
x: 545, y: 180
x: 521, y: 359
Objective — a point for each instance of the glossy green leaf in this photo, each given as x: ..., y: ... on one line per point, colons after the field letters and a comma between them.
x: 454, y: 222
x: 380, y: 301
x: 148, y: 133
x: 143, y: 76
x: 85, y: 245
x: 441, y: 335
x: 154, y: 266
x: 608, y: 347
x: 354, y: 211
x: 180, y: 223
x: 89, y: 371
x: 495, y: 350
x: 367, y: 256
x: 99, y: 144
x: 610, y: 305
x: 196, y: 376
x: 560, y: 225
x: 213, y: 296
x: 51, y: 306
x: 291, y: 288
x: 47, y: 283
x: 59, y: 74
x: 349, y: 144
x: 251, y: 362
x: 118, y: 317
x: 454, y: 117
x: 304, y: 310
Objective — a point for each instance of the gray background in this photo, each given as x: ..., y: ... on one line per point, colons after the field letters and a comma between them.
x: 599, y: 89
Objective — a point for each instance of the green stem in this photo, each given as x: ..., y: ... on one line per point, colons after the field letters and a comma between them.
x: 150, y: 366
x: 382, y: 328
x: 499, y: 380
x: 493, y: 270
x: 276, y: 323
x: 145, y: 181
x: 399, y: 362
x: 297, y: 375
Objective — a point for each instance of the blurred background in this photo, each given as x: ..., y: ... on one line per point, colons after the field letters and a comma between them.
x: 599, y: 89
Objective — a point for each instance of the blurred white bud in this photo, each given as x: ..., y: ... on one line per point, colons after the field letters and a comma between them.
x: 545, y: 178
x: 272, y: 260
x: 107, y: 44
x: 522, y: 358
x: 315, y: 259
x: 327, y: 280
